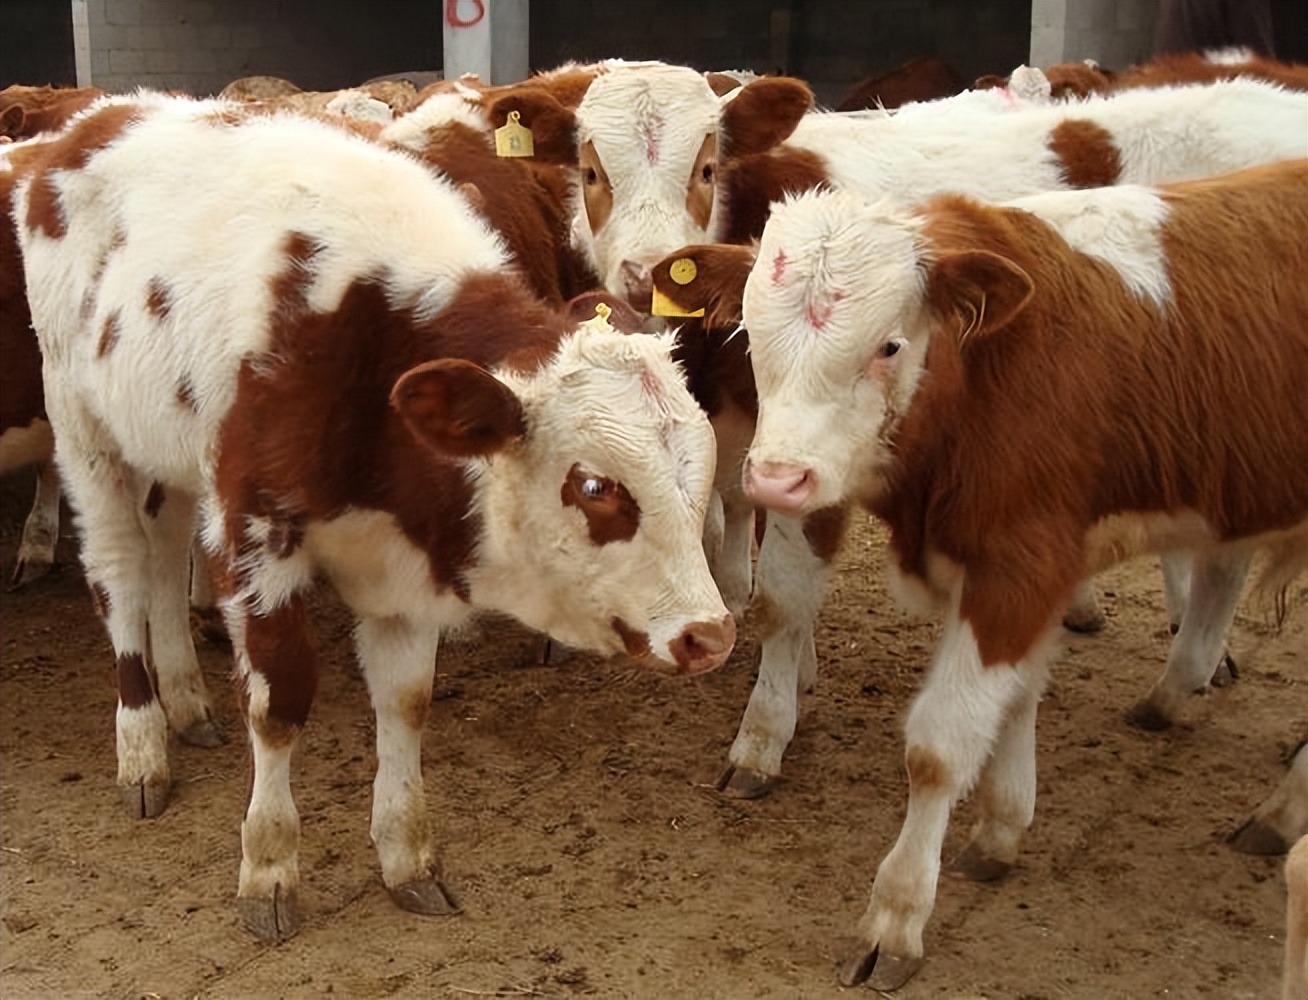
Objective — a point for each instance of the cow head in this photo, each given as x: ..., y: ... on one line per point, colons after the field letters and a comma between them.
x: 591, y: 479
x: 840, y: 305
x: 649, y: 141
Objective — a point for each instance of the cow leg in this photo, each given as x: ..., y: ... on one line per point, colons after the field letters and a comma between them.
x: 1294, y: 977
x: 280, y: 668
x: 1006, y: 793
x: 1216, y: 582
x: 36, y: 550
x: 951, y: 731
x: 115, y: 554
x: 1282, y: 817
x: 792, y: 581
x: 399, y: 664
x: 732, y: 565
x: 1177, y: 568
x: 168, y: 517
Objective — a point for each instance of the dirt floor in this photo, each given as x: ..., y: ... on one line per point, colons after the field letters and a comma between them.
x: 579, y: 824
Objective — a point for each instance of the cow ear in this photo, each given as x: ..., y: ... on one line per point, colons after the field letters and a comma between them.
x: 763, y: 113
x: 458, y: 409
x: 553, y: 126
x: 978, y: 290
x: 706, y: 280
x: 13, y: 121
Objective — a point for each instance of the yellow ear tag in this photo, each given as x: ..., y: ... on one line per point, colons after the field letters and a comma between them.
x: 600, y: 321
x: 661, y: 305
x: 513, y: 138
x: 683, y: 271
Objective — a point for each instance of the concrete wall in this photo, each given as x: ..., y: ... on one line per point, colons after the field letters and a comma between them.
x: 1115, y: 33
x: 201, y: 45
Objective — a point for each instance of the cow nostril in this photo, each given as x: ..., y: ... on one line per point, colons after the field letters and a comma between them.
x: 704, y: 646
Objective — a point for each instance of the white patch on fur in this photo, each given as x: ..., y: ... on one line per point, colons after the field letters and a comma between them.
x: 1120, y: 226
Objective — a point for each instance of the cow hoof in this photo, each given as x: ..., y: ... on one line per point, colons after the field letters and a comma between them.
x: 1256, y: 837
x: 1085, y: 623
x: 26, y: 572
x: 145, y: 800
x: 203, y: 734
x: 746, y: 783
x: 1146, y: 716
x: 880, y: 972
x: 426, y: 896
x: 1226, y: 672
x: 273, y: 920
x: 976, y: 866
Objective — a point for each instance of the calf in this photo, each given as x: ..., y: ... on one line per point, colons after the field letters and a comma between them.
x: 1156, y: 135
x: 319, y: 341
x: 1025, y: 394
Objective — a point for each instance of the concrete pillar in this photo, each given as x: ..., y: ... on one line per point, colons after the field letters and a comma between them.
x: 487, y: 37
x: 82, y: 42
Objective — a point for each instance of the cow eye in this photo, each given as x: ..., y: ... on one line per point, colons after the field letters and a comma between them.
x: 591, y: 175
x: 707, y: 173
x: 594, y: 489
x: 890, y: 348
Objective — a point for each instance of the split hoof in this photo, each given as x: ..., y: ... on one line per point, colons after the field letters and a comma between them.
x: 145, y: 800
x: 427, y: 896
x: 1256, y: 837
x: 272, y: 920
x: 28, y: 571
x: 746, y: 783
x: 976, y: 866
x: 1226, y: 672
x: 880, y: 972
x: 1146, y: 716
x: 1085, y: 624
x: 204, y: 733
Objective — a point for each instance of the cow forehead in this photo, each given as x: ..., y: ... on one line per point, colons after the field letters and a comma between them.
x: 658, y: 113
x: 832, y: 271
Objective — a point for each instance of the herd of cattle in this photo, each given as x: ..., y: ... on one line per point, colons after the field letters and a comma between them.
x: 545, y: 349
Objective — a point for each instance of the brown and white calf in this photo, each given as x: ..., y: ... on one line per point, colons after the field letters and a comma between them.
x: 1158, y: 135
x: 322, y: 344
x: 1027, y: 393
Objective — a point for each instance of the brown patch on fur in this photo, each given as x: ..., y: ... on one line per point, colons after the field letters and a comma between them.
x: 135, y: 688
x: 750, y: 184
x: 286, y: 535
x: 702, y: 186
x: 71, y: 151
x: 158, y: 298
x: 22, y: 394
x: 154, y: 500
x: 314, y: 433
x: 1088, y: 156
x: 414, y: 708
x: 924, y: 78
x: 926, y: 771
x: 1077, y: 79
x: 110, y: 331
x: 824, y: 530
x: 612, y: 513
x: 281, y: 649
x: 634, y: 641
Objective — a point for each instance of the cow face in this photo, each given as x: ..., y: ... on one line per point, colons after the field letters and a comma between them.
x: 591, y: 479
x: 647, y: 161
x: 838, y: 332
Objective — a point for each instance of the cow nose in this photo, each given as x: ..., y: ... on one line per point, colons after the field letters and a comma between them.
x: 638, y: 281
x: 779, y: 486
x: 704, y: 646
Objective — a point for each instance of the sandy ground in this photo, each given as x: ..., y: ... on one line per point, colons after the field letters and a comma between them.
x: 579, y: 825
